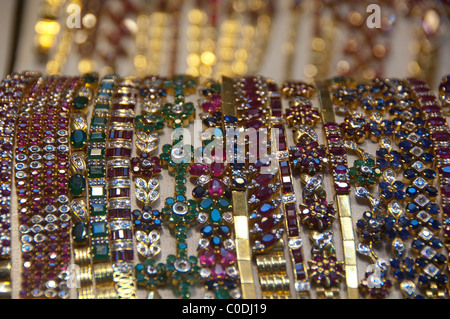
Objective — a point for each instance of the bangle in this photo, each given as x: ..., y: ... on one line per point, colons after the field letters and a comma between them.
x: 79, y: 101
x: 45, y: 239
x: 146, y: 170
x: 118, y: 186
x: 338, y: 162
x: 12, y: 91
x: 217, y: 253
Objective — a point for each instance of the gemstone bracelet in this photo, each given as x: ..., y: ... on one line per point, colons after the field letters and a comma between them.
x: 12, y: 91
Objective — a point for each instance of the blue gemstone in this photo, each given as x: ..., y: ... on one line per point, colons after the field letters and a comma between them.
x: 399, y: 185
x: 401, y: 135
x: 395, y: 263
x: 384, y: 185
x: 382, y: 163
x: 421, y: 131
x: 414, y: 224
x: 382, y: 152
x: 435, y: 224
x: 405, y: 145
x: 216, y: 241
x: 418, y: 121
x: 389, y: 131
x: 404, y: 234
x: 440, y: 259
x: 206, y: 231
x: 411, y: 274
x: 399, y: 195
x: 412, y: 208
x: 427, y: 157
x: 399, y: 275
x: 429, y: 173
x: 421, y: 262
x: 414, y: 111
x: 423, y: 279
x: 230, y: 119
x: 418, y: 244
x: 425, y: 142
x: 441, y: 279
x: 386, y: 194
x: 411, y: 191
x: 436, y: 243
x: 361, y: 224
x: 410, y: 173
x: 407, y: 158
x: 431, y: 191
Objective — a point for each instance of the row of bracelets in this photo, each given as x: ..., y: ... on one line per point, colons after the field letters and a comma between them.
x: 80, y: 154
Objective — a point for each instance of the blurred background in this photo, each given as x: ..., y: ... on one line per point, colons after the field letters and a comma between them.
x: 281, y: 39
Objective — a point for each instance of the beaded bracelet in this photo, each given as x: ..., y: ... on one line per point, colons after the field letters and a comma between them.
x: 78, y: 101
x: 216, y: 246
x: 118, y: 185
x: 146, y: 170
x: 96, y: 255
x: 12, y: 90
x: 46, y: 118
x: 338, y: 164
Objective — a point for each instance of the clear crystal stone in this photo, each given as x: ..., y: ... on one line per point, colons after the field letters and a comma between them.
x: 363, y: 249
x: 422, y: 200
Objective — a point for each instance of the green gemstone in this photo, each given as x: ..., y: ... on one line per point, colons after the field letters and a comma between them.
x: 101, y: 106
x: 149, y: 262
x: 80, y: 232
x: 370, y: 162
x: 97, y: 137
x: 222, y: 293
x: 372, y: 180
x: 180, y: 189
x: 360, y: 179
x: 359, y: 163
x: 78, y: 138
x: 99, y: 121
x: 80, y: 102
x: 167, y: 148
x: 100, y: 251
x: 96, y: 171
x: 171, y: 259
x: 77, y: 184
x: 96, y: 153
x: 216, y: 88
x: 98, y: 209
x: 353, y: 171
x: 377, y: 172
x: 140, y: 278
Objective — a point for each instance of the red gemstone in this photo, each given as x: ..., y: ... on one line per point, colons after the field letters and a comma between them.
x: 431, y: 108
x: 268, y: 223
x: 441, y: 136
x: 207, y: 258
x: 264, y: 193
x: 217, y: 169
x: 227, y: 258
x: 263, y: 179
x: 342, y: 187
x: 437, y: 121
x: 445, y: 190
x: 443, y: 152
x: 198, y: 169
x: 209, y: 107
x: 216, y: 187
x: 427, y: 98
x: 255, y: 124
